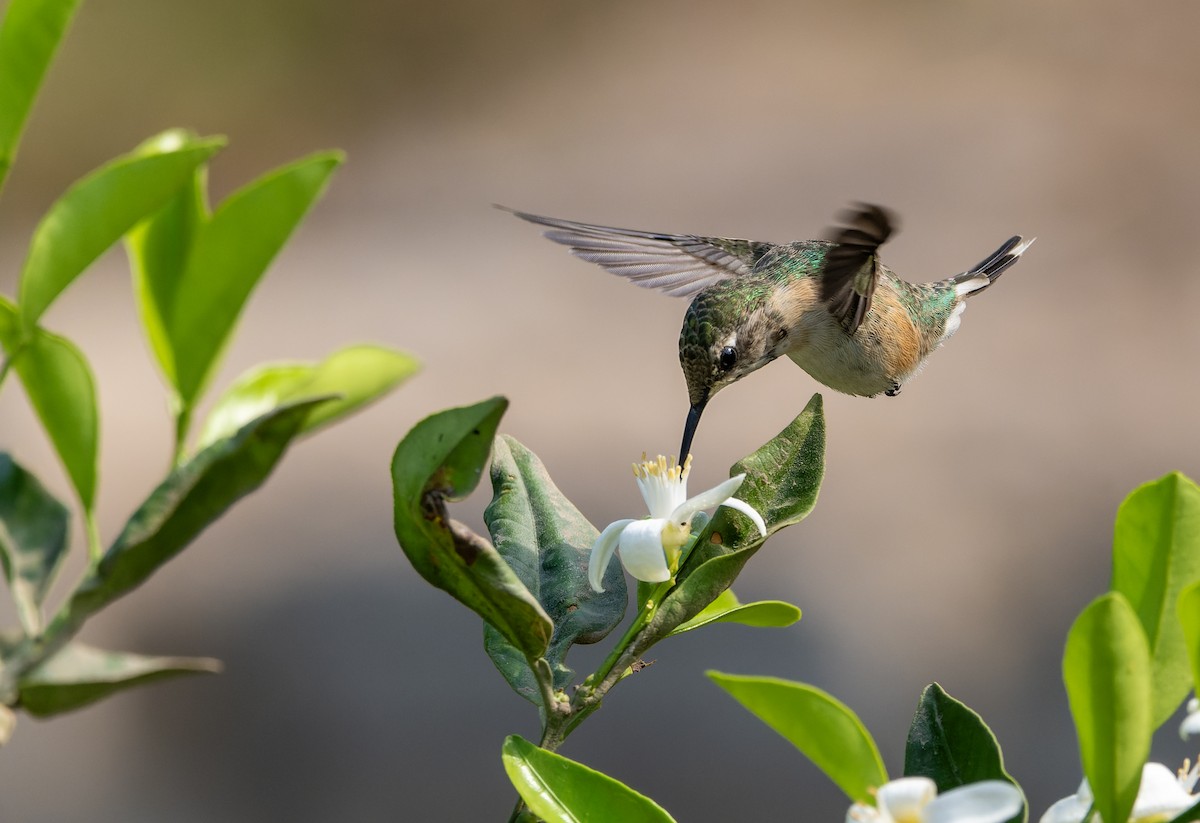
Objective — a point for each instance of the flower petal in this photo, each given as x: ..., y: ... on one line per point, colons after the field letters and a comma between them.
x: 748, y: 510
x: 1160, y: 794
x: 715, y: 496
x: 602, y: 552
x: 988, y: 801
x: 1068, y: 810
x: 905, y: 797
x: 642, y: 552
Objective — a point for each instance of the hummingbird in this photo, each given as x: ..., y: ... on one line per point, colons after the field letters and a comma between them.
x: 829, y: 305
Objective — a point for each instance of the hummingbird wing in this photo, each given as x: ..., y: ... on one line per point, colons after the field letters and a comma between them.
x: 677, y: 264
x: 851, y: 267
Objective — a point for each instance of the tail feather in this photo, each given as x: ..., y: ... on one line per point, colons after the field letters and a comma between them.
x: 988, y: 271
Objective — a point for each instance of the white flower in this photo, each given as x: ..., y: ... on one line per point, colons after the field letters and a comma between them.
x: 650, y: 548
x: 1191, y: 723
x: 1161, y: 796
x: 916, y: 800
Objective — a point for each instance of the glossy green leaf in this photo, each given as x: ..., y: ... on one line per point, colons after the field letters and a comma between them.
x: 33, y: 540
x: 546, y: 541
x: 77, y: 675
x: 782, y: 481
x: 29, y: 37
x: 952, y: 746
x: 1106, y: 668
x: 356, y: 375
x: 441, y: 459
x: 193, y: 495
x: 1156, y: 552
x: 158, y: 249
x: 98, y: 209
x: 728, y: 609
x: 559, y: 790
x: 823, y: 728
x: 228, y: 255
x: 1189, y: 619
x: 62, y: 391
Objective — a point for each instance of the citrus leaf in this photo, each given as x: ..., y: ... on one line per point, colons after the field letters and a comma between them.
x: 952, y: 746
x: 559, y: 790
x: 1156, y: 553
x: 441, y: 459
x: 192, y: 496
x: 229, y: 254
x: 77, y: 675
x: 356, y: 375
x: 728, y: 609
x: 29, y: 37
x: 818, y: 724
x: 61, y: 389
x: 93, y: 214
x: 1106, y: 668
x: 546, y: 541
x: 33, y: 540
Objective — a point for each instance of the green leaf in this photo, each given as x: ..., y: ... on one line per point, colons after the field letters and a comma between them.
x: 62, y: 390
x: 1106, y: 668
x: 728, y: 609
x: 357, y: 375
x: 1156, y: 552
x: 97, y: 210
x: 158, y: 249
x: 1189, y: 619
x: 952, y: 746
x: 33, y: 540
x: 193, y: 495
x: 823, y: 728
x: 546, y: 541
x: 29, y: 37
x: 77, y: 675
x: 782, y: 481
x: 442, y: 459
x: 228, y: 255
x: 559, y: 790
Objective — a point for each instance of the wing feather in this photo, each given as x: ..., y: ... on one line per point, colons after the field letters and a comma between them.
x: 677, y: 264
x: 851, y: 268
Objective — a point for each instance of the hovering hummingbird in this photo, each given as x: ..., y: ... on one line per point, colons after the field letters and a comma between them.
x: 830, y: 305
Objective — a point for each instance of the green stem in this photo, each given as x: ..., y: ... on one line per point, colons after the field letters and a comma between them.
x: 589, y: 695
x: 183, y: 422
x: 645, y: 612
x: 95, y: 547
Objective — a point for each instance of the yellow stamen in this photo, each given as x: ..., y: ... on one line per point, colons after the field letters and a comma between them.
x: 668, y: 469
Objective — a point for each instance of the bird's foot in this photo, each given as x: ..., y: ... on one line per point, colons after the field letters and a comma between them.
x: 893, y: 391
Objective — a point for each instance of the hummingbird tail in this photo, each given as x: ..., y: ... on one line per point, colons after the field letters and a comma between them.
x: 989, y: 270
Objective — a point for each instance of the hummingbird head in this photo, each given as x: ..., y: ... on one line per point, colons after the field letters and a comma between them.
x: 727, y: 334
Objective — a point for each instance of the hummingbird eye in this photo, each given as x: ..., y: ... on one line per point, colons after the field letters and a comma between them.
x: 728, y: 358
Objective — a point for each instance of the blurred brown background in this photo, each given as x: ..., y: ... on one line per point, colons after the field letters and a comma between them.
x: 961, y: 526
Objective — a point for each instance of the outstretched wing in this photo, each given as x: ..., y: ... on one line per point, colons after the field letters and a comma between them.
x: 852, y: 265
x: 677, y: 264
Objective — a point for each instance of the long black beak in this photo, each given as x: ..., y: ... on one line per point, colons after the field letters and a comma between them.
x: 689, y: 429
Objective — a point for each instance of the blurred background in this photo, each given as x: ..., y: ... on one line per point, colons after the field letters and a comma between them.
x: 961, y: 526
